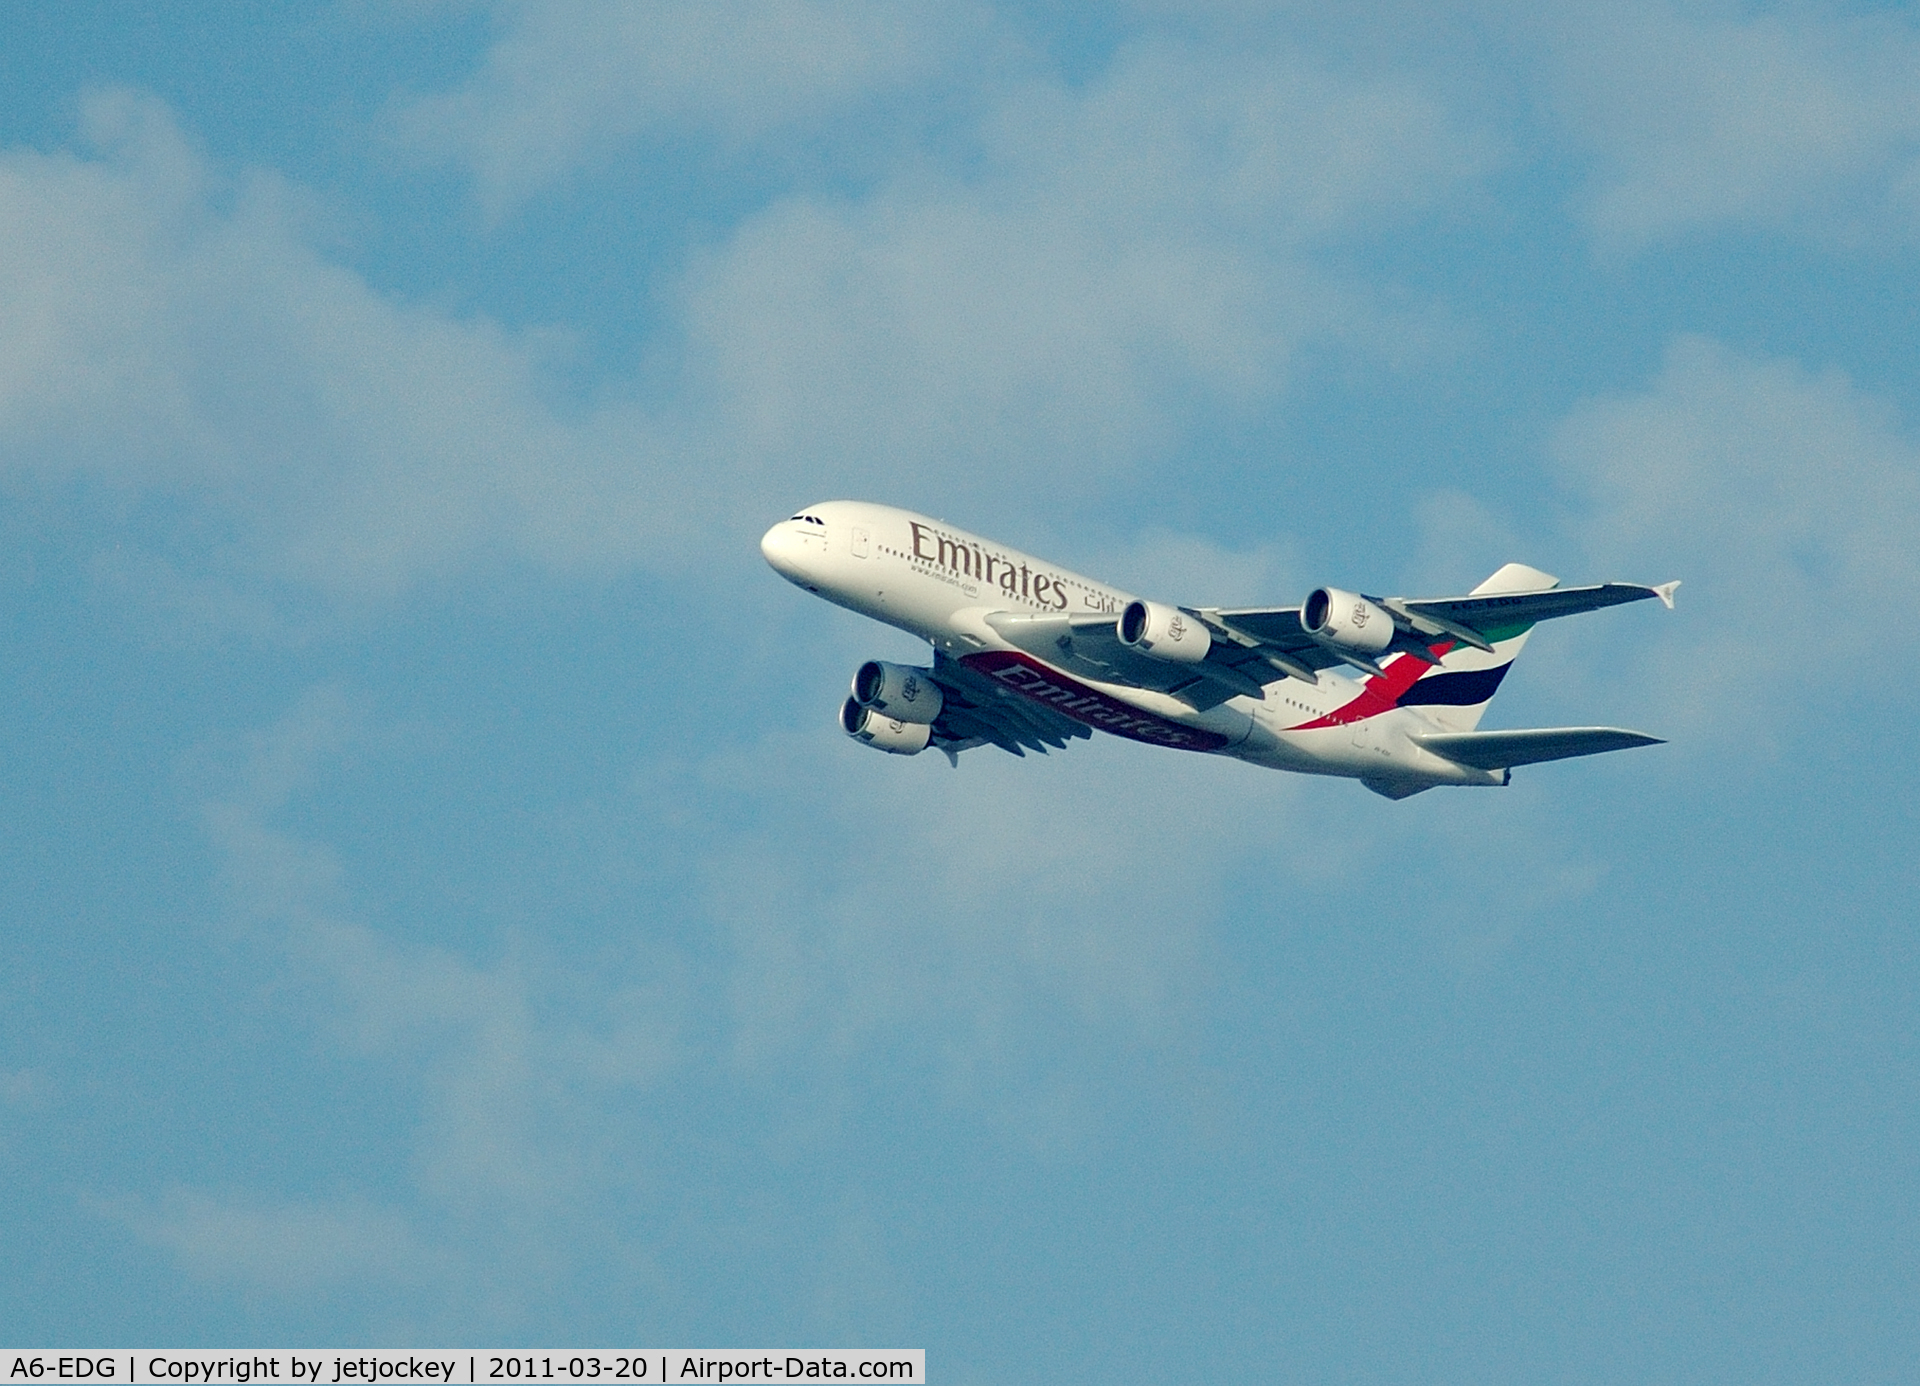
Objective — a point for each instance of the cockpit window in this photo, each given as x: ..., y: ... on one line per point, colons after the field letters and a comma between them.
x: 812, y: 520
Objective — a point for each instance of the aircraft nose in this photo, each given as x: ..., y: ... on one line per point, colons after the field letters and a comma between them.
x: 781, y: 547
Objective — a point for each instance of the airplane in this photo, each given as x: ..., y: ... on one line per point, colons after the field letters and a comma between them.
x: 1027, y: 655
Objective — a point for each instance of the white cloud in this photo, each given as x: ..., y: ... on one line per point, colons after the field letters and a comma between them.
x: 179, y: 339
x: 994, y: 898
x: 1026, y: 923
x: 288, y: 1248
x: 569, y: 82
x: 1123, y: 259
x: 20, y: 1090
x: 1707, y: 116
x: 1787, y: 499
x: 500, y: 1074
x: 1129, y: 256
x: 994, y: 909
x: 1462, y: 541
x: 1192, y: 570
x: 1113, y: 258
x: 1002, y: 938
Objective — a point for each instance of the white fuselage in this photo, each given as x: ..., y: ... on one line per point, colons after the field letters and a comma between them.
x: 941, y: 583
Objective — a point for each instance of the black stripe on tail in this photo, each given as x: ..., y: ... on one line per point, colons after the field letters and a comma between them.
x: 1456, y: 688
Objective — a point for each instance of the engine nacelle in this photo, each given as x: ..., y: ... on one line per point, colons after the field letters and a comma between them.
x: 882, y: 732
x: 1165, y: 632
x: 903, y: 693
x: 1346, y: 619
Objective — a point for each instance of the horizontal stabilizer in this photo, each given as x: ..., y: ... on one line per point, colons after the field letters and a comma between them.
x: 1501, y: 750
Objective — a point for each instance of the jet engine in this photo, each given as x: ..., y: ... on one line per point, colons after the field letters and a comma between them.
x: 1347, y: 621
x: 901, y: 692
x: 1165, y: 632
x: 882, y: 732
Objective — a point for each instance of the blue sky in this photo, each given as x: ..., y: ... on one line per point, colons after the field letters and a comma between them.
x: 441, y: 907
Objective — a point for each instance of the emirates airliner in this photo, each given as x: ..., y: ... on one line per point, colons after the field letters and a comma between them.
x: 1027, y: 655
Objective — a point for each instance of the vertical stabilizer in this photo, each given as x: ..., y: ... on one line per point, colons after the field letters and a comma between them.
x: 1455, y: 695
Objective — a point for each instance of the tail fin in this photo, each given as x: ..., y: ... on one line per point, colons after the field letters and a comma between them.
x: 1455, y: 695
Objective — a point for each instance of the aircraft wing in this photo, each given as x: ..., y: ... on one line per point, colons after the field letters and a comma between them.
x: 1477, y: 620
x: 1088, y: 645
x: 1255, y: 646
x: 976, y: 711
x: 1267, y: 641
x: 1490, y: 612
x: 1502, y: 750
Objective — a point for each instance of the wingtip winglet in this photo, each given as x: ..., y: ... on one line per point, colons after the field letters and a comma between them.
x: 1665, y: 592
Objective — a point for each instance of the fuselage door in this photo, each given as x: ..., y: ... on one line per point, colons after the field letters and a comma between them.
x: 859, y: 542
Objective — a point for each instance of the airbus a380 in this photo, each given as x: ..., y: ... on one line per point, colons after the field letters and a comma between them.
x: 1026, y: 655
